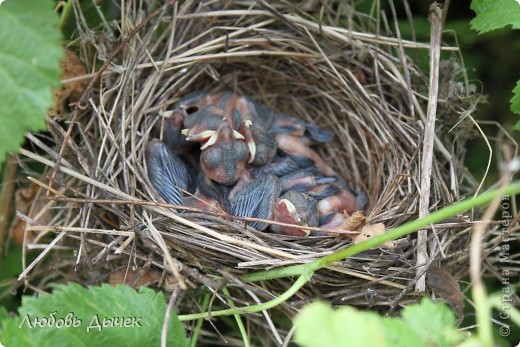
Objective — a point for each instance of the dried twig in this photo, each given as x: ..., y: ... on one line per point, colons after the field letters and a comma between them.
x: 429, y: 136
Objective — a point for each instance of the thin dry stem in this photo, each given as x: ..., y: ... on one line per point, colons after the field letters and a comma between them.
x: 429, y: 135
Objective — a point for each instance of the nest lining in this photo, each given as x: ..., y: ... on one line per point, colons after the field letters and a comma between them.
x: 340, y: 79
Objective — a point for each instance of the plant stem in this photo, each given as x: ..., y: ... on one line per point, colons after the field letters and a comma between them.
x: 300, y: 282
x: 198, y: 325
x: 482, y: 306
x: 66, y: 7
x: 240, y: 324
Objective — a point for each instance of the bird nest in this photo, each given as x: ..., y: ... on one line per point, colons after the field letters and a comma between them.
x: 328, y: 66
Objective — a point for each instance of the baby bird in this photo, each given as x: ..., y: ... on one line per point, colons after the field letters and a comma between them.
x: 335, y: 199
x: 295, y: 208
x: 173, y: 181
x: 223, y: 151
x: 223, y: 157
x: 168, y: 174
x: 260, y: 198
x: 255, y: 200
x: 243, y: 115
x: 298, y: 146
x: 170, y: 128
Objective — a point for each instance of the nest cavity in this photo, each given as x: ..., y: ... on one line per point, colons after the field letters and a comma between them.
x: 330, y: 66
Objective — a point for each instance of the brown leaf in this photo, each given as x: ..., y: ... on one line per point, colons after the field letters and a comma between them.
x: 354, y: 222
x: 351, y: 223
x: 369, y: 231
x: 447, y: 287
x: 70, y: 67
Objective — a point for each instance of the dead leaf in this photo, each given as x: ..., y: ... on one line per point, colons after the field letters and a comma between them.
x: 370, y: 231
x: 354, y: 222
x: 447, y: 287
x: 71, y: 67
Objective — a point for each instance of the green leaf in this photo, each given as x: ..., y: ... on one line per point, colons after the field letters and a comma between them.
x: 12, y: 263
x: 398, y: 334
x: 30, y: 53
x: 94, y: 310
x: 495, y: 14
x: 3, y: 314
x: 11, y: 268
x: 515, y: 103
x: 435, y: 323
x: 427, y: 325
x: 319, y: 325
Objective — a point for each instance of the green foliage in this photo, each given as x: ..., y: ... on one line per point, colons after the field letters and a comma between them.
x: 3, y: 314
x: 11, y: 264
x: 99, y: 316
x: 11, y: 268
x: 515, y: 103
x: 319, y: 325
x: 30, y: 52
x: 426, y: 324
x: 495, y: 14
x: 432, y: 322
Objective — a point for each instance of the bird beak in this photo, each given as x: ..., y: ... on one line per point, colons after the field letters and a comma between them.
x: 237, y: 135
x: 206, y: 134
x: 250, y: 143
x: 289, y: 205
x: 213, y: 136
x: 252, y: 150
x: 166, y: 114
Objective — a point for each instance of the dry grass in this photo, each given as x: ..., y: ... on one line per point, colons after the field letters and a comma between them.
x: 342, y: 74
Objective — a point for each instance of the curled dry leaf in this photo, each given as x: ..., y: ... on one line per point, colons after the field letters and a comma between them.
x: 70, y: 67
x: 447, y: 287
x: 369, y: 231
x: 354, y: 222
x: 351, y: 223
x: 28, y: 202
